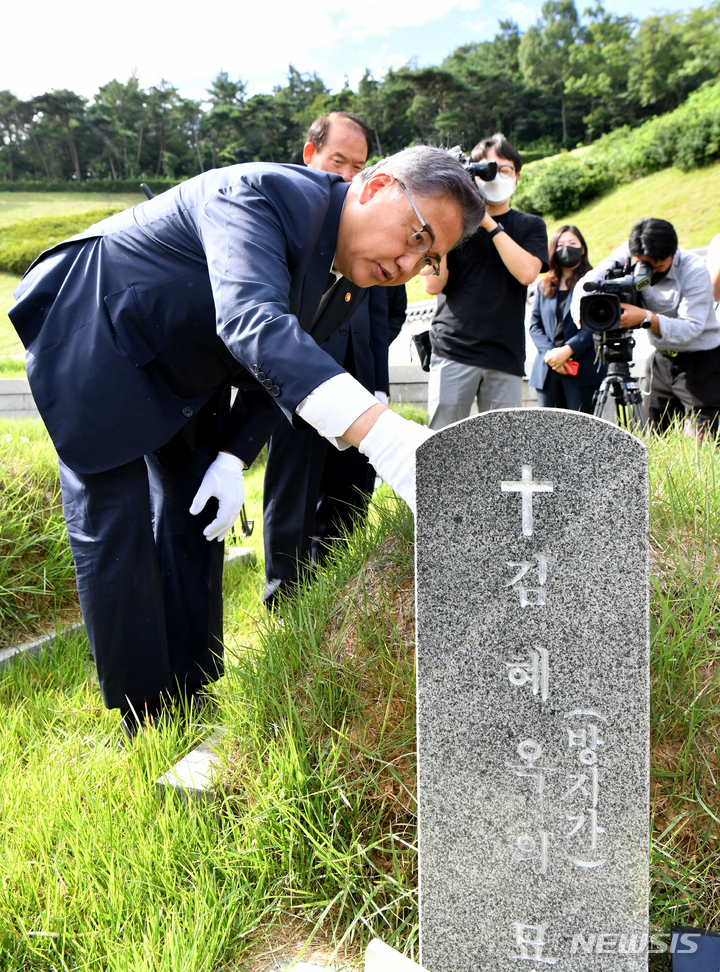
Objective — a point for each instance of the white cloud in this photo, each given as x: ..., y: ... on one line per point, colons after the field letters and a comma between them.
x: 186, y: 44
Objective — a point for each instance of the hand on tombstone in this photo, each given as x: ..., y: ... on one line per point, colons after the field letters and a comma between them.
x: 390, y: 446
x: 224, y: 480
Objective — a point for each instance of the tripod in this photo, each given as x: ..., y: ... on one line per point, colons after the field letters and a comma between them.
x: 629, y: 409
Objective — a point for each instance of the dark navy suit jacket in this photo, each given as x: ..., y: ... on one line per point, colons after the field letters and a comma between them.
x: 132, y: 326
x: 543, y: 324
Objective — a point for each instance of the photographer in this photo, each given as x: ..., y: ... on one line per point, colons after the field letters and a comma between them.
x: 683, y: 375
x: 478, y: 332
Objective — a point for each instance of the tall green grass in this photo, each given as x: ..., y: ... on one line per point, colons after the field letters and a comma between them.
x: 36, y: 570
x: 685, y: 598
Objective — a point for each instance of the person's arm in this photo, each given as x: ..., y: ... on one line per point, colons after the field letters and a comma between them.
x: 695, y: 310
x: 713, y: 265
x: 537, y: 332
x: 251, y: 252
x: 522, y: 265
x: 342, y: 409
x: 435, y: 283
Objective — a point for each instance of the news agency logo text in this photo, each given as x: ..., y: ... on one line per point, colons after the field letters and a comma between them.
x: 615, y: 942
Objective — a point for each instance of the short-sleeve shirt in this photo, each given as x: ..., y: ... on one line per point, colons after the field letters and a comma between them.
x: 480, y: 316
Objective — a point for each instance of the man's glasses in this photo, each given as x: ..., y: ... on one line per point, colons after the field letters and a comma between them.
x: 506, y: 170
x: 420, y: 242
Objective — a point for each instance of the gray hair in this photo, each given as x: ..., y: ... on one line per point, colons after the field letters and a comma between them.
x: 428, y: 171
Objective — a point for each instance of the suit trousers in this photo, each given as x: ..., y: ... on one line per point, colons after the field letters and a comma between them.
x: 149, y: 582
x: 686, y: 384
x: 312, y: 492
x: 560, y: 392
x: 453, y: 387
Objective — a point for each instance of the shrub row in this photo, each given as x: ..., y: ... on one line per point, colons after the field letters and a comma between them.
x: 156, y: 183
x: 21, y: 243
x: 686, y: 138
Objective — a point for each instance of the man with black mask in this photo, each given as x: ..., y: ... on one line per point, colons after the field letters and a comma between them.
x: 478, y: 331
x: 683, y: 375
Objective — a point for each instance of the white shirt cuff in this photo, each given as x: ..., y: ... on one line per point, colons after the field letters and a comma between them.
x: 333, y: 407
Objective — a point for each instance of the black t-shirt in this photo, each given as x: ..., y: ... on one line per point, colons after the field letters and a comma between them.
x: 480, y: 317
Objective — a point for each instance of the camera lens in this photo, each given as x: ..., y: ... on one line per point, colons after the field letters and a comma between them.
x: 601, y: 313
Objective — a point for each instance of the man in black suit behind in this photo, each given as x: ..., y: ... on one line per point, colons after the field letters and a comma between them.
x: 312, y: 491
x: 135, y: 332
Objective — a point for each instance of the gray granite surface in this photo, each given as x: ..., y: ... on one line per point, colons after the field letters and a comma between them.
x: 533, y: 694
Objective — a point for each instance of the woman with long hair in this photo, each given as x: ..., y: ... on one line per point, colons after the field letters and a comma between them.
x: 565, y: 372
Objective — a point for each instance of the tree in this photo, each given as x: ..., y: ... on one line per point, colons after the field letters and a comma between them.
x: 9, y: 125
x: 68, y: 108
x: 223, y: 120
x: 119, y: 114
x: 546, y: 49
x: 599, y: 70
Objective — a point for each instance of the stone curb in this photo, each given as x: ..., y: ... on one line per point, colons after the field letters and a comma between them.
x: 8, y: 655
x: 191, y: 777
x: 246, y: 555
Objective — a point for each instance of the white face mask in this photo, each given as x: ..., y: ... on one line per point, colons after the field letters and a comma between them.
x: 498, y: 190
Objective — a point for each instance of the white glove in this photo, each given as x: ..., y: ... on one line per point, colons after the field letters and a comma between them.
x: 390, y: 446
x: 223, y: 480
x: 381, y: 397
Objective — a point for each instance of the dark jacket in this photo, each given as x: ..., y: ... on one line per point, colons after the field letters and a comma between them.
x: 133, y: 325
x: 543, y: 324
x: 365, y: 335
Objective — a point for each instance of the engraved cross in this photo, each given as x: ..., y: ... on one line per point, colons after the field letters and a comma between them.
x: 526, y: 487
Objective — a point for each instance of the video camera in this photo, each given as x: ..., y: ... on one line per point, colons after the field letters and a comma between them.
x: 600, y: 311
x: 483, y: 170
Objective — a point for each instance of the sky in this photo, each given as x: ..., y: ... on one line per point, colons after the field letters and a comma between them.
x: 50, y: 45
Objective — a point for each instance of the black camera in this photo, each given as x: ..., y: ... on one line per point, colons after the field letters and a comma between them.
x: 601, y: 311
x: 483, y: 170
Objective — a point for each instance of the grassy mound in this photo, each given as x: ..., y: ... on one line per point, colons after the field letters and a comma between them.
x: 22, y: 242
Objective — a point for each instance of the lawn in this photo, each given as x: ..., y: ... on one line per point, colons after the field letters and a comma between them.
x: 10, y: 343
x: 689, y: 200
x: 18, y: 206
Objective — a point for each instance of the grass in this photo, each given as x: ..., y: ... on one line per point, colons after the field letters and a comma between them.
x: 689, y: 200
x: 10, y: 343
x: 18, y: 206
x: 36, y: 571
x: 12, y: 367
x: 685, y: 722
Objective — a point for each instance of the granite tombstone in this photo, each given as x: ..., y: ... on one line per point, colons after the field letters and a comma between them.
x: 533, y: 694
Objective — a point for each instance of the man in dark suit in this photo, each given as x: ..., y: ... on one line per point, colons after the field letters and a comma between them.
x: 135, y: 332
x: 312, y: 491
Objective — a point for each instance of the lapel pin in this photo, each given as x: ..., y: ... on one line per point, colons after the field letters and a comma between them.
x: 347, y: 297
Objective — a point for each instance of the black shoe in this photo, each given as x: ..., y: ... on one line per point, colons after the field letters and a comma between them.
x: 144, y: 715
x: 201, y: 706
x: 193, y: 703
